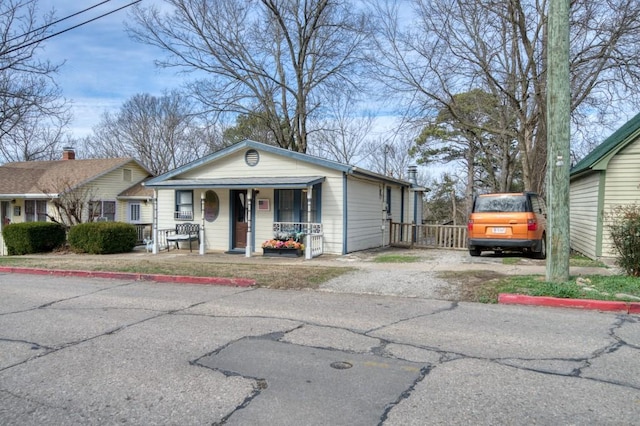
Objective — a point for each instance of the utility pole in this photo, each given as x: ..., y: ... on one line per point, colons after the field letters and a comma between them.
x: 558, y: 135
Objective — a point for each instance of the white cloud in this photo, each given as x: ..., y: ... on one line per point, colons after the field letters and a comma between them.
x: 103, y: 66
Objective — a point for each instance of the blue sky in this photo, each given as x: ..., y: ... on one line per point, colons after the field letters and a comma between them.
x: 103, y: 67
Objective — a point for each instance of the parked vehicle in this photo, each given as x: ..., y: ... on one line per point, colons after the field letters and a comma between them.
x: 508, y: 221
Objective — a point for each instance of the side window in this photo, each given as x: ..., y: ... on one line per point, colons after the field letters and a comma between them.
x: 35, y: 210
x: 102, y: 211
x: 184, y: 205
x: 134, y: 212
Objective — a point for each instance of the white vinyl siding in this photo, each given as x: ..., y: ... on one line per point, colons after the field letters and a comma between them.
x: 622, y: 187
x: 271, y: 165
x: 108, y: 186
x: 584, y: 217
x: 365, y: 219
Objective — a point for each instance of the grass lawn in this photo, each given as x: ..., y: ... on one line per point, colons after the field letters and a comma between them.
x: 266, y: 275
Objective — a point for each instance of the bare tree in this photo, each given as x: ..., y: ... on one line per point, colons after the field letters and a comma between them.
x: 454, y: 46
x: 274, y: 58
x: 341, y: 135
x: 162, y: 132
x: 390, y: 155
x: 71, y: 204
x: 32, y: 111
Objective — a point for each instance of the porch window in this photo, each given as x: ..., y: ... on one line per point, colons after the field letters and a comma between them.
x: 184, y: 205
x: 286, y: 211
x: 35, y: 210
x: 292, y: 205
x: 102, y: 211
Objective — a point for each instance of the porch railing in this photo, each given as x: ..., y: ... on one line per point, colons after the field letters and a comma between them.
x: 428, y: 236
x: 313, y: 235
x: 143, y: 231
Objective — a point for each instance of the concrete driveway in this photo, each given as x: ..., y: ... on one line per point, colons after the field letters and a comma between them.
x: 96, y: 351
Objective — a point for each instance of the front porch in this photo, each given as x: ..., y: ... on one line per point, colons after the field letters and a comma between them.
x: 312, y: 235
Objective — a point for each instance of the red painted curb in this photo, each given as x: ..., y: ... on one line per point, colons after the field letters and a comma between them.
x: 599, y: 305
x: 182, y: 279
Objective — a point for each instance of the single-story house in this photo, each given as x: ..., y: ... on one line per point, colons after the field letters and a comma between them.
x: 109, y: 188
x: 247, y: 193
x: 607, y: 177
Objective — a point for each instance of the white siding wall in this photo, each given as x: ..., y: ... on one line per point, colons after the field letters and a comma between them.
x: 107, y: 187
x: 333, y: 212
x: 216, y: 236
x: 622, y: 187
x: 583, y: 221
x: 271, y: 165
x: 365, y: 218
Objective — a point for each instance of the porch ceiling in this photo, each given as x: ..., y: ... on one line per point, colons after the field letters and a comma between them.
x: 289, y: 182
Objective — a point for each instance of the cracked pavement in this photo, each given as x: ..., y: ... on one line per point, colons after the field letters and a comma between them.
x: 97, y: 351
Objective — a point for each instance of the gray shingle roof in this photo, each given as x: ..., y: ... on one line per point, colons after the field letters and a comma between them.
x: 52, y: 177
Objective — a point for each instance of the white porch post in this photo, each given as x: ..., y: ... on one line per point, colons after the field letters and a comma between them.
x: 154, y: 221
x: 201, y: 251
x: 307, y: 247
x: 247, y: 249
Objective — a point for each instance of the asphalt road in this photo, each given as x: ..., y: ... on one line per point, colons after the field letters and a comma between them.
x: 77, y: 351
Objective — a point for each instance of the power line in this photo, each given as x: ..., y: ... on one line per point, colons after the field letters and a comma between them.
x: 58, y: 21
x: 68, y: 29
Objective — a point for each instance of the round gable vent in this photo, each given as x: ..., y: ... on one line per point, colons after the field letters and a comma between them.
x: 251, y: 157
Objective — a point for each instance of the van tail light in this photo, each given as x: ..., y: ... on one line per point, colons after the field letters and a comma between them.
x: 532, y: 225
x: 470, y: 225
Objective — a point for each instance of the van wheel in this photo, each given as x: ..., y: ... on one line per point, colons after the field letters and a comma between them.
x: 542, y: 254
x: 475, y: 252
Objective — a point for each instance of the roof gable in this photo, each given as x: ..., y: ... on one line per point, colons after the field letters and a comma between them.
x: 53, y: 177
x: 249, y: 144
x: 600, y: 156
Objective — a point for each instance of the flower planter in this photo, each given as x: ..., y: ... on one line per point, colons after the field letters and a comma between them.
x: 281, y: 252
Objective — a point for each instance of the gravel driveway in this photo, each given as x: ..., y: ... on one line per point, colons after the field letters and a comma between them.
x: 424, y: 278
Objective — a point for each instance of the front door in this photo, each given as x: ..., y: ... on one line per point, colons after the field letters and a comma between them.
x: 240, y: 219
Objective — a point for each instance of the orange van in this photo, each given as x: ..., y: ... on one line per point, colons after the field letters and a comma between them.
x: 508, y: 221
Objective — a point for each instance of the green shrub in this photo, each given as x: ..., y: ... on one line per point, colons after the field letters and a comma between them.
x: 625, y: 234
x: 33, y: 237
x: 102, y: 237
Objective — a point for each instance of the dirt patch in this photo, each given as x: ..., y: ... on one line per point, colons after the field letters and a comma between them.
x: 468, y: 286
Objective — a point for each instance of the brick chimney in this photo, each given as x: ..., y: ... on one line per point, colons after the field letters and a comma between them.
x: 68, y: 153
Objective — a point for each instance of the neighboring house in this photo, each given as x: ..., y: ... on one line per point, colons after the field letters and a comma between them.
x: 244, y: 193
x: 608, y: 177
x: 110, y: 187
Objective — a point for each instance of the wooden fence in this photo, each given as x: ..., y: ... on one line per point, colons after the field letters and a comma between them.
x: 428, y: 236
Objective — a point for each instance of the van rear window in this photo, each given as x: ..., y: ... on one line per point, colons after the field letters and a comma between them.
x: 501, y: 203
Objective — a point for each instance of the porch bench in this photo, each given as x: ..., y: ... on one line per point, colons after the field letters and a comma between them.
x: 183, y: 232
